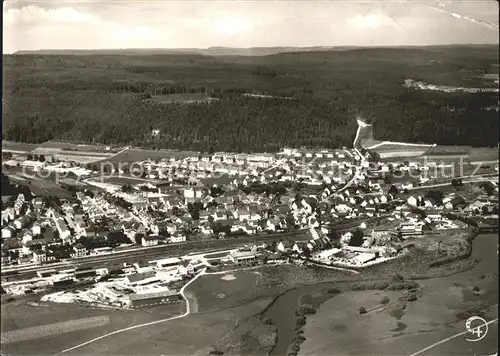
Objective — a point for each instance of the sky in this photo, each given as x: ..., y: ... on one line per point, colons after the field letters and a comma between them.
x: 91, y: 24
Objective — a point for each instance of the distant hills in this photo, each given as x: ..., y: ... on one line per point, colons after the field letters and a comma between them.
x: 120, y: 97
x: 211, y: 51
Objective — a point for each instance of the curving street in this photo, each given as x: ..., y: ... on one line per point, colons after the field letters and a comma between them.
x: 186, y: 313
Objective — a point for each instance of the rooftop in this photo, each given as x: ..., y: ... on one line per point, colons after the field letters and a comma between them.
x: 172, y: 260
x: 142, y: 296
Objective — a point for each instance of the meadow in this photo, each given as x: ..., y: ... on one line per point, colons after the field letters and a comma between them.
x: 230, y: 312
x: 134, y: 155
x: 213, y: 292
x: 18, y: 146
x: 39, y: 186
x: 182, y: 98
x: 43, y: 320
x: 439, y: 311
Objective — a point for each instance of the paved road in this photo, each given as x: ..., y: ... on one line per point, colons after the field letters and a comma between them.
x: 169, y: 250
x: 186, y: 313
x: 356, y: 223
x: 353, y: 179
x: 457, y: 344
x: 355, y: 174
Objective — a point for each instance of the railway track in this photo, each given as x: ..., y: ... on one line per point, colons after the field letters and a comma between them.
x: 116, y: 259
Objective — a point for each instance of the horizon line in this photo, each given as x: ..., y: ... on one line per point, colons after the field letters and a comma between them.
x: 249, y: 48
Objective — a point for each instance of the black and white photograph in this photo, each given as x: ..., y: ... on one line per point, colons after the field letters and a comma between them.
x: 250, y: 178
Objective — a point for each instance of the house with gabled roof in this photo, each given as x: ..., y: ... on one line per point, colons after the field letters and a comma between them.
x: 273, y: 224
x: 285, y: 245
x: 39, y: 256
x: 37, y: 203
x: 79, y: 251
x: 149, y: 241
x: 8, y: 232
x: 220, y: 215
x: 203, y: 216
x: 242, y: 213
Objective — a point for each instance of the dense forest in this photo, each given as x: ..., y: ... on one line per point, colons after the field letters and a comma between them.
x: 107, y: 98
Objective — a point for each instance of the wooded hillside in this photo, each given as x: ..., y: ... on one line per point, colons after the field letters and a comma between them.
x: 106, y: 98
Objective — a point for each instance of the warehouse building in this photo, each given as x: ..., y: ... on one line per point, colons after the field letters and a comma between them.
x: 242, y: 256
x: 139, y: 278
x: 167, y: 262
x: 85, y: 272
x: 151, y: 299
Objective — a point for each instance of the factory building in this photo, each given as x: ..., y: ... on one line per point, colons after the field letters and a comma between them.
x: 156, y: 298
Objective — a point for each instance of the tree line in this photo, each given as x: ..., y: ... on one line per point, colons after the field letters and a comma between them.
x: 326, y: 92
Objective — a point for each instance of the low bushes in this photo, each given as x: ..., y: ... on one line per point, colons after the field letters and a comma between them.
x: 269, y: 321
x: 362, y: 310
x: 293, y: 349
x: 403, y: 285
x: 476, y: 310
x: 304, y: 310
x: 340, y: 327
x: 300, y: 338
x: 300, y: 322
x: 385, y: 300
x: 334, y: 291
x: 393, y: 286
x: 380, y: 285
x: 397, y: 278
x: 358, y: 287
x: 411, y: 297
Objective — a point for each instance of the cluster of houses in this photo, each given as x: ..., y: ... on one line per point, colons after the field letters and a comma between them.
x: 410, y: 83
x: 294, y: 189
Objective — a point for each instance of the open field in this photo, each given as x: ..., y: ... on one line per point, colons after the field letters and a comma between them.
x: 448, y: 150
x: 19, y: 318
x: 192, y: 335
x: 388, y: 150
x: 39, y: 186
x: 471, y: 153
x: 413, y: 265
x: 63, y: 153
x: 46, y: 330
x: 396, y: 147
x: 73, y: 152
x: 182, y: 99
x: 212, y: 292
x: 137, y: 155
x: 438, y: 153
x: 61, y: 150
x: 76, y: 147
x: 250, y: 336
x: 410, y: 326
x: 399, y: 325
x: 127, y: 180
x: 81, y: 158
x: 400, y: 154
x: 483, y: 154
x: 226, y: 309
x: 18, y: 146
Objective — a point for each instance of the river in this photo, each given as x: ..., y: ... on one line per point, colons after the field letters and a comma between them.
x: 485, y: 247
